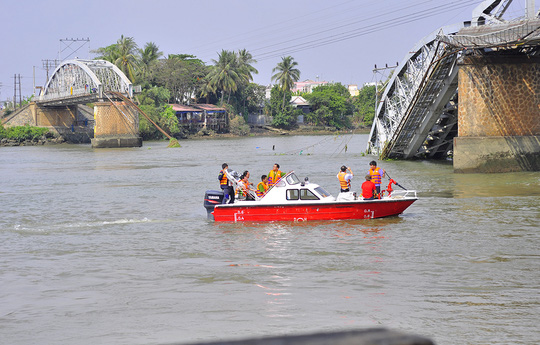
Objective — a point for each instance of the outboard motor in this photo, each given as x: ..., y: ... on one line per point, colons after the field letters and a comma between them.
x: 211, y: 199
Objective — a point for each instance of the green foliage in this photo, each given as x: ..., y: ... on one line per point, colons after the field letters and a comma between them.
x: 22, y: 133
x: 283, y: 114
x: 154, y: 95
x: 238, y: 126
x: 331, y: 106
x: 27, y: 100
x: 165, y: 117
x: 286, y: 73
x: 169, y: 122
x: 147, y: 58
x: 229, y: 76
x: 146, y: 129
x: 182, y: 78
x: 365, y: 105
x: 249, y: 99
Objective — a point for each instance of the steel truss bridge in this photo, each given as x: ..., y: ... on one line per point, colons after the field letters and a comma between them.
x: 84, y: 81
x: 417, y: 114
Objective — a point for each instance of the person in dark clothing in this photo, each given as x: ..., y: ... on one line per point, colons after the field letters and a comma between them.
x: 226, y: 185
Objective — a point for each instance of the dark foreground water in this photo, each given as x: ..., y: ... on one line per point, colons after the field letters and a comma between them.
x: 113, y: 247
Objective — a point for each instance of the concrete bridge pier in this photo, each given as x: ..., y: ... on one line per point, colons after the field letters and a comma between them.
x: 499, y: 114
x: 116, y: 125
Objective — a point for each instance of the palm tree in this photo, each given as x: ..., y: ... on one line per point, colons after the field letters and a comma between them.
x: 245, y: 69
x: 207, y: 90
x: 286, y: 74
x: 224, y: 75
x: 149, y: 55
x: 127, y: 59
x: 109, y: 53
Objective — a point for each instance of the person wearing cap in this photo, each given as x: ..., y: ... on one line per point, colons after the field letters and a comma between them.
x: 369, y: 191
x: 345, y: 179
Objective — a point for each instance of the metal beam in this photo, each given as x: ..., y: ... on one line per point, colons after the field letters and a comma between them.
x: 434, y: 112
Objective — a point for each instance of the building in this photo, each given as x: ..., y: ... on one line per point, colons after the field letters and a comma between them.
x: 198, y: 116
x: 307, y: 85
x: 353, y: 90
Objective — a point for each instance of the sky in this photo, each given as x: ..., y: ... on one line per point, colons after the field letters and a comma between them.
x: 334, y: 41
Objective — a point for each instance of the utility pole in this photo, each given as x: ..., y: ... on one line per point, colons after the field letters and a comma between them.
x: 20, y: 94
x: 15, y: 91
x: 49, y: 64
x: 375, y: 72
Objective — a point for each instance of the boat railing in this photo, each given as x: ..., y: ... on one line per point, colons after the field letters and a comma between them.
x: 402, y: 194
x: 234, y: 178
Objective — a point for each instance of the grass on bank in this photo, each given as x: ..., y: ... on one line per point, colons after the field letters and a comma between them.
x: 22, y: 133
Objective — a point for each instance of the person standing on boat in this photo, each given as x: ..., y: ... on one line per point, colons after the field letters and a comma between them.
x: 376, y: 175
x: 274, y: 175
x: 345, y: 179
x: 262, y: 187
x: 226, y: 185
x: 369, y: 190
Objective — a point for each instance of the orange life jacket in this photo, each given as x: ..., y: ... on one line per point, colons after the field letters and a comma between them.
x: 258, y: 191
x: 376, y: 175
x: 344, y: 184
x: 224, y: 180
x: 242, y: 188
x: 273, y: 177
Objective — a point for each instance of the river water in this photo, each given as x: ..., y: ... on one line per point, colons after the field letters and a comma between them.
x: 112, y: 246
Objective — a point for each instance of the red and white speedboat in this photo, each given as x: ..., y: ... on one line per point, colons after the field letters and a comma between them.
x: 293, y: 200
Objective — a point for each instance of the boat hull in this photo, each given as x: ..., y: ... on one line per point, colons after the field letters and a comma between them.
x: 317, y: 211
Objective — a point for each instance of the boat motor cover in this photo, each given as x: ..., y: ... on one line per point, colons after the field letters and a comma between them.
x: 212, y: 198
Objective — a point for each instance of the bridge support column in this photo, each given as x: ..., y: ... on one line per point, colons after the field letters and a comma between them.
x: 499, y: 114
x: 116, y: 125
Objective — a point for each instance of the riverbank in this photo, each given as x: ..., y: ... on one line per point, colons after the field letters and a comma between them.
x: 268, y: 131
x: 264, y: 131
x: 34, y: 142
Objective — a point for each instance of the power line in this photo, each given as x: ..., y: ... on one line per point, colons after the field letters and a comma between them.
x: 321, y: 37
x: 252, y: 34
x: 356, y: 21
x: 368, y: 29
x: 69, y: 42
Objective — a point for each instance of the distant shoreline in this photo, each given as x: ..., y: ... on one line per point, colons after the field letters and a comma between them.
x: 274, y: 132
x: 265, y: 131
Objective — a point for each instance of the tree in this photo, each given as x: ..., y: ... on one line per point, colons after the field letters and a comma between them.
x: 154, y: 95
x: 127, y: 59
x: 365, y: 104
x: 287, y: 74
x: 245, y: 69
x: 331, y: 105
x: 184, y: 78
x: 282, y: 116
x: 224, y: 76
x: 149, y: 56
x: 108, y: 53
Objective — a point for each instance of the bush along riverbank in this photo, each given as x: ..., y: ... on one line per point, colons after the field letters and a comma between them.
x: 28, y: 136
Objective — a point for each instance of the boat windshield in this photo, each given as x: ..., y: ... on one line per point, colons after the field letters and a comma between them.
x: 322, y: 192
x: 292, y: 179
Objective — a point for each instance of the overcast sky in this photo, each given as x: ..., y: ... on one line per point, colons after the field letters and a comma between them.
x: 335, y: 41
